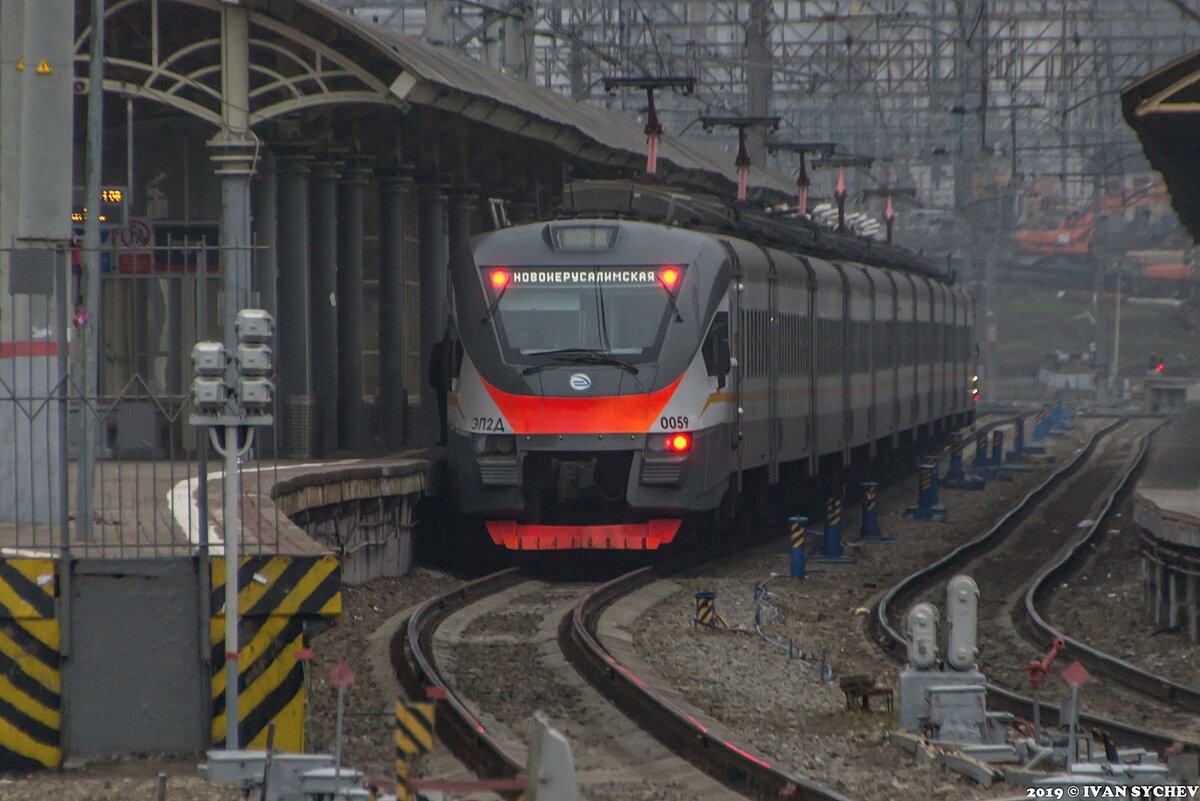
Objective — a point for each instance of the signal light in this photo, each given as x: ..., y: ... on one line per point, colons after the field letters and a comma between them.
x: 1158, y: 368
x: 679, y: 443
x: 500, y: 279
x: 669, y: 277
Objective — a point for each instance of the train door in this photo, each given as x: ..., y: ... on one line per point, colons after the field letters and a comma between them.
x: 736, y: 346
x: 844, y: 358
x: 774, y: 426
x: 872, y: 338
x: 810, y: 342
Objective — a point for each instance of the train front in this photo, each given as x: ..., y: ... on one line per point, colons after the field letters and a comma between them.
x: 590, y: 407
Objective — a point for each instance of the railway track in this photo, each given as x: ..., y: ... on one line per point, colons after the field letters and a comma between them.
x: 1015, y: 548
x: 1029, y: 618
x: 491, y: 754
x: 491, y: 751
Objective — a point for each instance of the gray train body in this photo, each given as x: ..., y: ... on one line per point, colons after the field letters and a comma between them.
x: 583, y: 364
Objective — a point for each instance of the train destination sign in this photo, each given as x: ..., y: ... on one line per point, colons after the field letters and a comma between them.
x: 617, y: 276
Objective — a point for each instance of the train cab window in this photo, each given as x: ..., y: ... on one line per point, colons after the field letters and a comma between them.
x: 623, y: 312
x: 716, y: 348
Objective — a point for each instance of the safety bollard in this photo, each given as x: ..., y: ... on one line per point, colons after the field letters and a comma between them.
x: 981, y: 455
x: 870, y: 531
x: 955, y: 471
x: 1041, y: 426
x: 1059, y: 419
x: 997, y: 470
x: 1020, y: 447
x: 706, y: 609
x: 956, y: 476
x: 831, y: 544
x: 927, y: 507
x: 796, y: 526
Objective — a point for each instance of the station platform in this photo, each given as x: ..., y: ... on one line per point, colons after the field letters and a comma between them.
x: 1167, y: 496
x: 152, y: 508
x: 1166, y: 506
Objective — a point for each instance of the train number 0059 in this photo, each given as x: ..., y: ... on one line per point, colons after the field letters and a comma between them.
x: 487, y: 424
x: 673, y: 423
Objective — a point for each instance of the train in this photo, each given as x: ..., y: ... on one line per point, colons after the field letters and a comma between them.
x: 646, y: 357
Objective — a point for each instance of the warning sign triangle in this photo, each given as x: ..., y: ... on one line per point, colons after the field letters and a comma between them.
x: 43, y: 68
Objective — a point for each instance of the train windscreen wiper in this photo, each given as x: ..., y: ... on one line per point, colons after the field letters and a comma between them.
x: 578, y: 356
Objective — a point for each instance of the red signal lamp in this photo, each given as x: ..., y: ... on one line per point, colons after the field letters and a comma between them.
x: 1158, y: 368
x: 669, y: 277
x: 679, y: 443
x: 500, y: 279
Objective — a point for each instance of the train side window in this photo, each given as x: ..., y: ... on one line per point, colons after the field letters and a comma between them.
x: 716, y: 348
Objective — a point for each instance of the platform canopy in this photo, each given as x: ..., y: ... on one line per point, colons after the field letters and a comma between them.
x: 305, y: 55
x: 1164, y: 109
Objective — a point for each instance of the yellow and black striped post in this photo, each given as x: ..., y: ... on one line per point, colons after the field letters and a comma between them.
x: 30, y: 665
x: 799, y: 557
x: 981, y: 455
x: 277, y: 595
x: 831, y: 544
x: 870, y: 531
x: 413, y: 737
x: 706, y: 609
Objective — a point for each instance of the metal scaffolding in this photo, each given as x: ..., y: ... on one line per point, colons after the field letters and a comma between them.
x: 952, y: 97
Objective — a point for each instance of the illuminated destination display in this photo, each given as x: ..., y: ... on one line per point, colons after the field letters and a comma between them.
x: 613, y: 276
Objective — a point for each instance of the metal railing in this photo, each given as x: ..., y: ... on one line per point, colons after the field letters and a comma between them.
x: 150, y: 466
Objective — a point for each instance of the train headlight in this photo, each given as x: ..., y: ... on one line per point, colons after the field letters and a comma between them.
x: 679, y: 442
x: 499, y: 279
x: 491, y: 445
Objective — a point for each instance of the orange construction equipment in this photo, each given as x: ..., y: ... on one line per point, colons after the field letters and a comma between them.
x: 1073, y: 236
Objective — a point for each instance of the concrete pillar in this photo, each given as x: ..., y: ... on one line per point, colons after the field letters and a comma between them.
x: 1160, y: 594
x: 266, y: 221
x: 1174, y: 598
x: 322, y: 297
x: 1148, y: 586
x: 395, y: 193
x: 434, y: 232
x: 1193, y: 606
x: 294, y: 382
x: 350, y: 307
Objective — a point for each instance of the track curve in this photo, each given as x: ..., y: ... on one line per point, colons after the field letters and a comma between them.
x: 884, y: 626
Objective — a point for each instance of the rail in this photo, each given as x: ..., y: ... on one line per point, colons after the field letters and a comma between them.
x: 892, y: 641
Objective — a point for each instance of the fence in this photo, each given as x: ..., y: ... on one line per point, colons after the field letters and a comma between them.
x: 150, y: 465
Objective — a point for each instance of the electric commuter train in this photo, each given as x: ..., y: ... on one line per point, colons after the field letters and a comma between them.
x: 618, y: 376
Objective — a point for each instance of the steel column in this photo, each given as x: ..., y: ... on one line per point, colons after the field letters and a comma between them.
x: 266, y: 222
x: 323, y: 231
x: 395, y: 190
x: 292, y: 324
x: 350, y: 306
x: 433, y: 227
x: 234, y: 152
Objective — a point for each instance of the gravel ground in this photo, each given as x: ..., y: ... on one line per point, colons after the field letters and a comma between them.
x: 786, y: 712
x: 1103, y: 606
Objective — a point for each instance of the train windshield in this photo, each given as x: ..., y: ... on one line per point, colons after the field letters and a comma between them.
x: 619, y: 311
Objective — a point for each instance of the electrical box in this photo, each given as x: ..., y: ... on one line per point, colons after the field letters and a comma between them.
x: 255, y: 394
x: 209, y: 359
x: 254, y: 360
x: 254, y: 326
x: 208, y: 394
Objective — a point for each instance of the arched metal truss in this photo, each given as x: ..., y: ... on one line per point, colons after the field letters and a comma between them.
x: 180, y: 66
